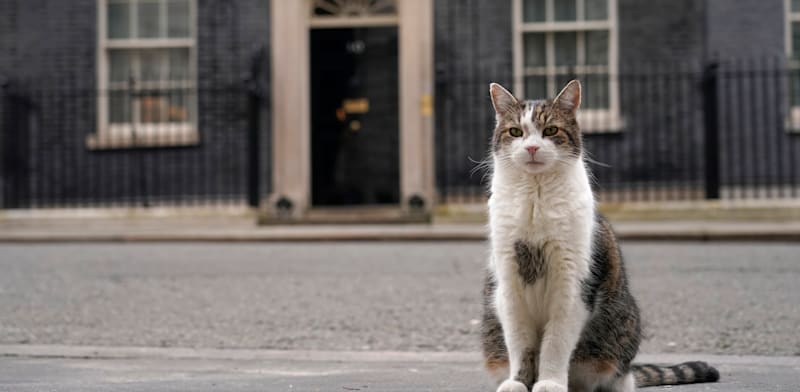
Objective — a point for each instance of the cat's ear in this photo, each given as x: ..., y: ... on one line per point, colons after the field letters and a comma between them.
x: 502, y: 100
x: 570, y: 96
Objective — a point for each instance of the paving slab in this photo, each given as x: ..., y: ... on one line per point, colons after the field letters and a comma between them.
x: 65, y: 368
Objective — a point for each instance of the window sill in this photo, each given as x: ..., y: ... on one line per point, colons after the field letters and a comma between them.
x: 594, y: 121
x: 121, y: 136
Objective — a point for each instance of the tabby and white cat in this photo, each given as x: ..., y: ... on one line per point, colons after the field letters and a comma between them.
x: 558, y: 312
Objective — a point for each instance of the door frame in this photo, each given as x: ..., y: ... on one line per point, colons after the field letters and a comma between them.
x: 290, y: 196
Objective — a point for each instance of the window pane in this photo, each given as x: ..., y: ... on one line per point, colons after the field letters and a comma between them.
x: 353, y: 8
x: 152, y: 65
x: 561, y: 81
x: 566, y: 48
x: 119, y: 63
x: 796, y: 40
x: 118, y: 17
x: 595, y: 91
x: 178, y: 64
x: 565, y: 9
x: 119, y: 107
x: 178, y: 110
x: 534, y: 50
x: 597, y: 47
x: 795, y: 5
x: 178, y: 18
x: 152, y: 108
x: 533, y: 11
x: 383, y: 8
x: 596, y: 9
x: 536, y: 87
x: 794, y: 77
x: 148, y: 19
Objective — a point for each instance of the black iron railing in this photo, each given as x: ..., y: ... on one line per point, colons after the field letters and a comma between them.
x: 69, y: 146
x: 653, y: 132
x: 687, y: 131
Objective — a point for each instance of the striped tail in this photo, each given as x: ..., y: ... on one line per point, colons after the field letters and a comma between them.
x: 685, y: 373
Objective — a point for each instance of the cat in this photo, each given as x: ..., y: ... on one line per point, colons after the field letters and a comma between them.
x: 558, y: 313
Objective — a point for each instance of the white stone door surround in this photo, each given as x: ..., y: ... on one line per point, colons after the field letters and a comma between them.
x: 291, y: 93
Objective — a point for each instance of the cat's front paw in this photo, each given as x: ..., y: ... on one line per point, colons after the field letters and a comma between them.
x: 548, y: 386
x: 512, y: 386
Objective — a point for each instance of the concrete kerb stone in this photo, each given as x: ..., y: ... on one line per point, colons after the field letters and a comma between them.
x: 766, y: 210
x: 699, y: 221
x: 109, y: 352
x: 104, y: 352
x: 166, y: 232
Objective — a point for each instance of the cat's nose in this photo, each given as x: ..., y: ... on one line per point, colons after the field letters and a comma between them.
x: 532, y: 149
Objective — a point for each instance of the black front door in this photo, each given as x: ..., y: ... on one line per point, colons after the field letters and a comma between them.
x: 354, y: 116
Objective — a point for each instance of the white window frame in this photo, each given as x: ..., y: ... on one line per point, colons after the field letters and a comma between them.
x: 793, y: 122
x: 114, y: 136
x: 592, y: 120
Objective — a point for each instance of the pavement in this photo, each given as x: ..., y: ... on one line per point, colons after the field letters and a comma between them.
x: 66, y: 368
x: 242, y: 228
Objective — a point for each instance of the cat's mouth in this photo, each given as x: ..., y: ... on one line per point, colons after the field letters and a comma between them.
x: 534, y: 163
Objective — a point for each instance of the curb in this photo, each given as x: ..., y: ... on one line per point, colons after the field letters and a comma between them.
x: 180, y: 353
x: 108, y: 352
x: 644, y: 237
x: 628, y: 231
x: 274, y: 234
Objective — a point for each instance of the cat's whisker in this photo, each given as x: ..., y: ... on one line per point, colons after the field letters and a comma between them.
x: 587, y: 157
x: 482, y: 161
x: 485, y: 164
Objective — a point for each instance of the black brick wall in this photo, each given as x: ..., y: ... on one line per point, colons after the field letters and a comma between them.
x: 747, y: 36
x: 660, y: 30
x: 48, y: 37
x: 472, y: 48
x: 745, y: 28
x: 48, y: 54
x: 661, y: 45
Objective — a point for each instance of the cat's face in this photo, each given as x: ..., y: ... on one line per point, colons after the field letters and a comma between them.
x: 536, y: 136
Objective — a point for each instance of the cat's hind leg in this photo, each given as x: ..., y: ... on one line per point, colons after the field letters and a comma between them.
x: 624, y: 383
x: 495, y: 354
x: 497, y: 369
x: 526, y: 375
x: 592, y: 376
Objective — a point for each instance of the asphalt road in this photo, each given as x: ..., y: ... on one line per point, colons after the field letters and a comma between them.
x: 717, y: 298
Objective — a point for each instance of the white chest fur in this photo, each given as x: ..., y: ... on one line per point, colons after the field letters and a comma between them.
x: 554, y: 211
x: 549, y: 207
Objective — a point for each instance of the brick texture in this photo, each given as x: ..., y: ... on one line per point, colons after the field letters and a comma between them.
x: 48, y: 53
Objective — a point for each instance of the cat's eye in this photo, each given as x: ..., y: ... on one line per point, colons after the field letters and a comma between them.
x: 550, y: 131
x: 516, y: 132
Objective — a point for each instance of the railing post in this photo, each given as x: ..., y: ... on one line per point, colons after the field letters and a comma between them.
x: 711, y: 129
x: 140, y: 156
x: 254, y: 97
x: 3, y: 135
x: 15, y: 134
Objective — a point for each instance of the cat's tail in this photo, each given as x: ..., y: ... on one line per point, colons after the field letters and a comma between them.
x: 647, y: 375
